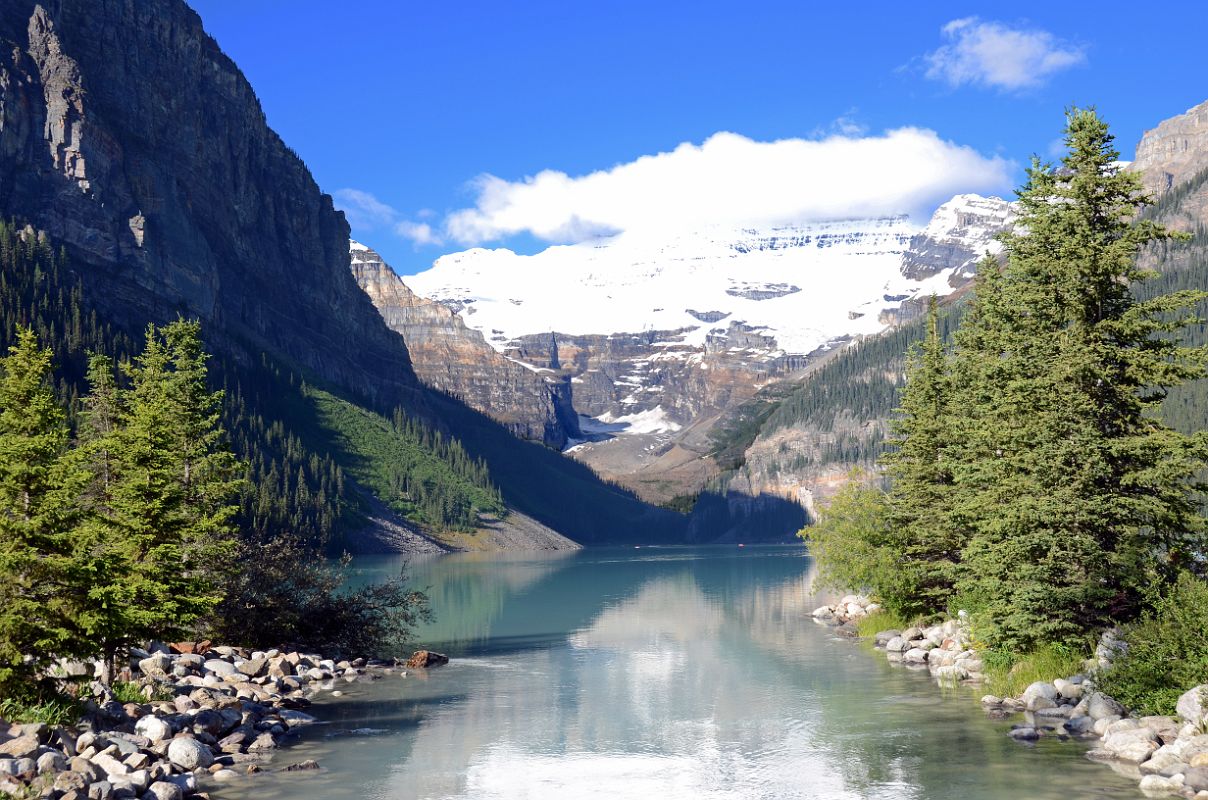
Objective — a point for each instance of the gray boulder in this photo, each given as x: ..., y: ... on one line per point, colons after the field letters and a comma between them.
x: 221, y: 668
x: 1196, y: 779
x: 1102, y: 706
x: 1191, y: 706
x: 1080, y: 726
x: 1040, y: 694
x: 52, y: 761
x: 156, y: 665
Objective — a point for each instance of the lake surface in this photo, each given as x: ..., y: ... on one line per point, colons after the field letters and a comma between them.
x: 660, y: 673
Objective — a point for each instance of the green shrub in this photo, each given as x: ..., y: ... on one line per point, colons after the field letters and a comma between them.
x: 288, y: 595
x: 848, y: 543
x: 882, y: 620
x: 1167, y: 651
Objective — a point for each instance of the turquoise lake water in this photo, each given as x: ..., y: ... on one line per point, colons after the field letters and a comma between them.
x: 657, y: 673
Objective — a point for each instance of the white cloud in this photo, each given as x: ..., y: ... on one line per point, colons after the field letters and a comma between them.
x: 732, y: 180
x: 418, y: 232
x: 363, y: 210
x: 366, y: 213
x: 997, y: 55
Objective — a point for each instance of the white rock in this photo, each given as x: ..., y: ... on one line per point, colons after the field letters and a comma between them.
x: 1067, y: 689
x: 1133, y: 747
x: 111, y: 766
x: 189, y: 754
x: 154, y: 728
x: 1160, y: 786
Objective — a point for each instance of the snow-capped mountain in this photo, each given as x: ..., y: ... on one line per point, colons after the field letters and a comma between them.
x: 658, y: 335
x: 803, y: 286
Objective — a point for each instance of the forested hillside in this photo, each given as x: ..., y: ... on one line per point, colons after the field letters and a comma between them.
x: 293, y: 438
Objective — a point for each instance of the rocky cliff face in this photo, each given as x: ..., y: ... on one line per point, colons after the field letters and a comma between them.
x: 1173, y: 162
x: 447, y: 355
x: 1175, y: 151
x: 135, y: 142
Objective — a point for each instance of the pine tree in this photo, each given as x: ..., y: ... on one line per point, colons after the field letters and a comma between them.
x: 1075, y: 498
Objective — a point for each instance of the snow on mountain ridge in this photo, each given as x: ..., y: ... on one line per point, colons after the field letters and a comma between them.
x: 803, y: 285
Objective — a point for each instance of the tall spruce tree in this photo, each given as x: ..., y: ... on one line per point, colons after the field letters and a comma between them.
x: 926, y: 544
x: 161, y: 530
x: 1076, y: 500
x: 37, y: 515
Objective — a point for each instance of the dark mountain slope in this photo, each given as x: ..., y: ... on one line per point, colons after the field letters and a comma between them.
x: 140, y: 149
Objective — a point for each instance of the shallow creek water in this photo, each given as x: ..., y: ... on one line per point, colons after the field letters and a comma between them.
x: 656, y: 673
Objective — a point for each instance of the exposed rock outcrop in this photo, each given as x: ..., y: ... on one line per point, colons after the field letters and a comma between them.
x: 457, y: 360
x: 960, y: 233
x: 1175, y: 151
x: 129, y: 137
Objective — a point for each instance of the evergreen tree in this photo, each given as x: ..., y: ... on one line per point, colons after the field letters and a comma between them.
x: 1075, y: 498
x: 161, y: 533
x: 37, y: 513
x: 920, y: 528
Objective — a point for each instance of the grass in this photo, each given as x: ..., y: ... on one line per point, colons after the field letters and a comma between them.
x: 1008, y: 674
x: 132, y: 692
x: 55, y: 711
x: 879, y: 621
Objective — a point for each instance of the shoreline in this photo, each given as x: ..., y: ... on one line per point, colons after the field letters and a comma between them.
x: 211, y: 715
x: 1167, y: 755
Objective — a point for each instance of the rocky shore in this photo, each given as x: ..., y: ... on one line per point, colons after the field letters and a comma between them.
x: 212, y: 714
x: 1168, y: 756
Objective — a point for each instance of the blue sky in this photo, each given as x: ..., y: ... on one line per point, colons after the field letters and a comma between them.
x: 399, y: 107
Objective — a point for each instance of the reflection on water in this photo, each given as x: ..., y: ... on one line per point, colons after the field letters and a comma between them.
x: 661, y: 673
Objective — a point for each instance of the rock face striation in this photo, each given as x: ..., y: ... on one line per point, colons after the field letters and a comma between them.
x: 1175, y: 151
x: 447, y: 355
x: 129, y: 137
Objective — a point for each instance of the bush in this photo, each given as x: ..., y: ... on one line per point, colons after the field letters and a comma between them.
x: 288, y: 594
x: 1167, y: 651
x: 852, y: 546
